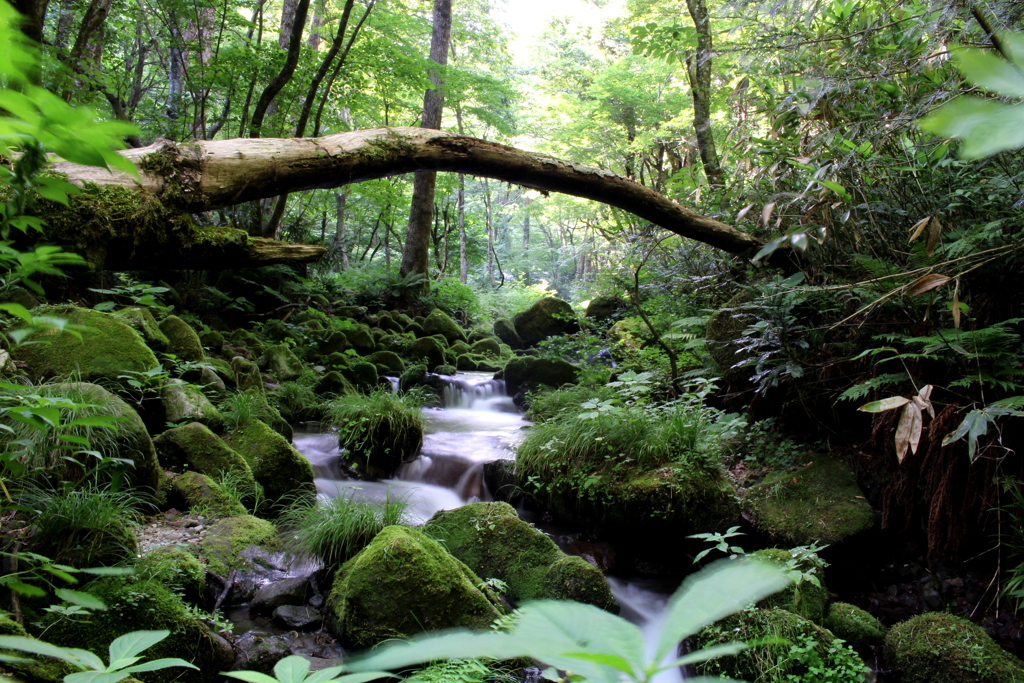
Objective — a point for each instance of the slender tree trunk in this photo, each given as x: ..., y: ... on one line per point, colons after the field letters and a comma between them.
x: 175, y: 72
x: 287, y: 70
x: 489, y: 224
x: 340, y: 241
x: 288, y: 11
x: 463, y: 259
x: 416, y: 254
x: 337, y: 67
x: 698, y: 70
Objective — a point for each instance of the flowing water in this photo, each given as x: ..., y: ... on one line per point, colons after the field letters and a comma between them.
x: 478, y: 424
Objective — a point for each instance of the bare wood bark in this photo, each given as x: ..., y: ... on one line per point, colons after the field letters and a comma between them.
x: 698, y: 70
x: 210, y: 174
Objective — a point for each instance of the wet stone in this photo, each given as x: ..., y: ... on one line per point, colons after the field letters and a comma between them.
x: 298, y: 617
x: 259, y: 652
x: 291, y: 591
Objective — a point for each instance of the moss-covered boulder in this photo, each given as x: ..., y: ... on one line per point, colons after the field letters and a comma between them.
x: 388, y: 361
x: 247, y: 374
x: 146, y: 605
x: 130, y: 441
x: 184, y: 342
x: 402, y: 584
x: 547, y: 317
x: 281, y: 470
x: 602, y: 307
x: 107, y: 348
x: 195, y: 491
x: 466, y: 362
x: 416, y: 330
x: 940, y: 648
x: 530, y: 371
x: 819, y: 502
x: 335, y: 342
x: 427, y: 350
x: 487, y: 347
x: 141, y: 319
x: 412, y: 376
x: 389, y: 324
x: 724, y: 330
x: 174, y: 567
x: 361, y: 374
x: 333, y: 383
x: 195, y: 448
x: 352, y: 312
x: 505, y: 330
x: 439, y: 322
x: 360, y: 339
x: 806, y: 598
x: 447, y: 370
x: 36, y: 669
x: 280, y: 363
x: 213, y: 340
x: 459, y: 348
x: 247, y: 339
x: 379, y: 433
x: 778, y: 661
x: 854, y: 625
x: 186, y: 402
x: 492, y: 541
x: 226, y: 542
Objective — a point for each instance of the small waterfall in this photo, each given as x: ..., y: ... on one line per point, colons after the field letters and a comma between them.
x: 464, y: 394
x: 394, y: 383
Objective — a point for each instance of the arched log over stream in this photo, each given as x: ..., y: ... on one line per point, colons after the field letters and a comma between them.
x: 204, y: 175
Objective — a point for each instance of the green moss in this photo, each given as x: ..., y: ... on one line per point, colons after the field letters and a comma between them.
x: 182, y: 401
x: 280, y: 469
x: 820, y: 502
x: 445, y: 370
x: 333, y: 382
x: 42, y: 670
x: 854, y: 625
x: 547, y: 317
x: 281, y: 363
x: 360, y: 339
x: 388, y: 360
x: 195, y: 490
x: 505, y: 330
x: 532, y: 371
x: 439, y: 322
x: 212, y: 339
x: 466, y: 363
x: 247, y: 375
x: 492, y: 541
x: 175, y: 568
x: 142, y: 321
x: 107, y: 348
x: 226, y: 539
x: 378, y: 432
x: 194, y: 447
x: 145, y: 605
x: 427, y: 350
x: 404, y: 583
x: 412, y: 376
x: 362, y: 374
x: 941, y: 648
x: 487, y: 347
x: 808, y: 600
x: 776, y: 662
x: 184, y: 342
x: 416, y: 330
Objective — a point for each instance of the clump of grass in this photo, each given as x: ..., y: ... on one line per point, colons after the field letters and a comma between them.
x: 297, y: 402
x: 239, y: 409
x: 547, y: 404
x: 379, y: 429
x: 85, y: 527
x: 334, y: 531
x: 240, y: 490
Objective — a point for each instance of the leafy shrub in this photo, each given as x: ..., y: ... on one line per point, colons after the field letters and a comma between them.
x: 452, y: 296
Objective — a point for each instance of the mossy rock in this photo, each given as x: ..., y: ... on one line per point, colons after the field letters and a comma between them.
x: 725, y: 329
x: 80, y: 541
x: 363, y: 375
x: 428, y: 349
x: 466, y: 362
x: 146, y: 605
x: 38, y: 669
x: 492, y: 541
x: 416, y: 330
x: 820, y: 502
x: 378, y: 452
x: 388, y: 360
x: 107, y: 348
x: 184, y: 342
x: 773, y: 662
x: 806, y: 599
x: 439, y: 322
x: 271, y: 415
x: 247, y: 339
x: 333, y: 383
x: 402, y: 318
x: 142, y: 321
x: 281, y: 470
x: 131, y: 441
x: 488, y: 364
x: 352, y: 312
x: 532, y: 371
x: 388, y: 324
x: 193, y: 490
x: 447, y: 370
x: 174, y: 567
x: 212, y: 339
x: 487, y: 347
x: 547, y: 317
x: 335, y: 342
x: 224, y: 371
x: 275, y: 330
x: 412, y: 376
x: 226, y: 540
x: 360, y: 339
x: 195, y: 448
x: 336, y: 360
x: 630, y: 332
x: 940, y: 648
x: 459, y: 348
x: 402, y: 584
x: 856, y: 626
x: 601, y: 308
x: 186, y: 402
x: 505, y: 330
x: 505, y: 351
x: 280, y: 363
x: 247, y: 374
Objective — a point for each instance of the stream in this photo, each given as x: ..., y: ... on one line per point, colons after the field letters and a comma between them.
x: 478, y: 424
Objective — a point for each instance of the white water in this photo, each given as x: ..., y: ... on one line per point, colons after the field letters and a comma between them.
x: 478, y: 424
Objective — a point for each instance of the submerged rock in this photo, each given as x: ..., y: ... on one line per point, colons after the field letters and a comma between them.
x: 492, y: 541
x: 819, y: 502
x: 402, y: 584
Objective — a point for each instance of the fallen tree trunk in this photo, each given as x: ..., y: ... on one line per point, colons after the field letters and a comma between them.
x: 204, y: 175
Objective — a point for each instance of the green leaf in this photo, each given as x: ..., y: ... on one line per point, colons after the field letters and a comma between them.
x: 96, y: 677
x: 157, y: 664
x: 249, y: 676
x: 989, y: 70
x: 37, y: 647
x: 291, y: 669
x: 26, y: 589
x: 711, y: 594
x: 985, y: 126
x: 81, y: 599
x: 17, y: 310
x: 884, y: 405
x: 713, y: 652
x: 134, y: 643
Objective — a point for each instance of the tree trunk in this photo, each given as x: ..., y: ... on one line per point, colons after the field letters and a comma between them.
x: 416, y: 254
x: 340, y: 240
x: 463, y: 260
x: 698, y: 69
x: 209, y: 174
x: 287, y: 70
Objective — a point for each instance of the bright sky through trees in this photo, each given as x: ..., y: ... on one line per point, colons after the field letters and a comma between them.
x: 529, y: 18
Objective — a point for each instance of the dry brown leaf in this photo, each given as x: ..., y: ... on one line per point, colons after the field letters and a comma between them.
x: 934, y: 228
x: 919, y: 227
x: 908, y: 431
x: 956, y: 305
x: 766, y: 212
x: 926, y: 284
x: 743, y: 212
